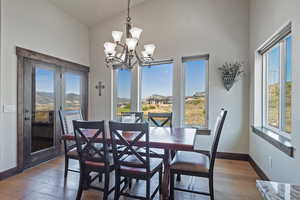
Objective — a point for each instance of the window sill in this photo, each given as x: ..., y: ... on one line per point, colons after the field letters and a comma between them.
x: 280, y: 142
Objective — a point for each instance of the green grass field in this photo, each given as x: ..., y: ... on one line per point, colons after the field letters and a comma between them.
x: 194, y: 110
x: 273, y: 110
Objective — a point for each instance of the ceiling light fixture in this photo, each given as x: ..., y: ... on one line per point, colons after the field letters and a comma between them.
x: 124, y: 54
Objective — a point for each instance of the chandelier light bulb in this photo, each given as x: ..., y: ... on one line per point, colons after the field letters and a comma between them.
x: 144, y: 54
x: 110, y: 48
x: 110, y: 53
x: 117, y: 35
x: 136, y: 32
x: 131, y: 43
x: 149, y: 49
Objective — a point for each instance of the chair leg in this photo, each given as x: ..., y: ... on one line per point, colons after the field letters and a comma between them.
x: 172, y: 186
x: 100, y: 177
x: 117, y: 186
x: 160, y: 181
x: 80, y: 187
x: 106, y: 186
x: 148, y: 195
x: 130, y: 183
x: 66, y: 166
x: 211, y: 187
x: 178, y: 178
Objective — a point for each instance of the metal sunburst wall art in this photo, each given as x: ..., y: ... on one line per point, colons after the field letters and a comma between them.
x: 231, y: 73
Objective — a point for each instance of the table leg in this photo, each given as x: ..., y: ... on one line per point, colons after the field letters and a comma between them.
x: 166, y: 177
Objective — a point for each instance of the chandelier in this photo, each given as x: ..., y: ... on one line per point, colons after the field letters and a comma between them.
x: 124, y: 54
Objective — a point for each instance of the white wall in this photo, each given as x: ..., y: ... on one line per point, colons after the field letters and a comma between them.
x: 266, y: 17
x: 39, y: 26
x: 184, y: 28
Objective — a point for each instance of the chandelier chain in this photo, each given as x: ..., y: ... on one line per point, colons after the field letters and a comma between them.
x: 128, y: 11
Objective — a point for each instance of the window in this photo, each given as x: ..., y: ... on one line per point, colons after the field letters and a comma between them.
x: 195, y: 99
x: 278, y: 84
x: 156, y: 88
x: 123, y: 91
x: 72, y: 91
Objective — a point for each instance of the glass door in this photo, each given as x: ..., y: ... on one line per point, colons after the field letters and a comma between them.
x: 41, y: 104
x: 74, y: 95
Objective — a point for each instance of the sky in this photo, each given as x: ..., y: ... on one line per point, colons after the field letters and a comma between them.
x: 159, y: 79
x: 45, y: 81
x: 274, y: 63
x: 194, y: 77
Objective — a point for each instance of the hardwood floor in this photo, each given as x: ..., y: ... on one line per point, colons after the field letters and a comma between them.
x: 234, y: 180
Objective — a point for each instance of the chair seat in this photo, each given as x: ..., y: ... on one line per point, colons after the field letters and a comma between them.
x: 96, y: 165
x: 134, y: 165
x: 73, y: 153
x: 190, y: 162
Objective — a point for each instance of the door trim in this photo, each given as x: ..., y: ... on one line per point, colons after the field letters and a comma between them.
x: 21, y: 55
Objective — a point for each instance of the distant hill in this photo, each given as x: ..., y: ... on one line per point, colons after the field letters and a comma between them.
x: 48, y: 97
x: 123, y: 100
x: 73, y: 97
x: 44, y: 98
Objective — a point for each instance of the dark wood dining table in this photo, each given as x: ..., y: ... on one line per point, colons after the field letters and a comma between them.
x: 176, y: 139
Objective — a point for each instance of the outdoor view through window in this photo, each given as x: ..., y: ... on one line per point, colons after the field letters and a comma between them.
x: 279, y: 85
x: 123, y: 91
x: 72, y: 91
x: 157, y: 89
x: 195, y: 92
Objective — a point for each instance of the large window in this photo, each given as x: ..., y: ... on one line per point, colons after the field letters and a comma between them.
x: 195, y: 99
x: 156, y: 88
x: 72, y: 91
x: 278, y: 84
x: 123, y: 101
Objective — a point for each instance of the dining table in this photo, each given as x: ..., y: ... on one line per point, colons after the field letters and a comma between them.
x: 166, y: 138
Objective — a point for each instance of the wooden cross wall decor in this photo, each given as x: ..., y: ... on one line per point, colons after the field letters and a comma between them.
x: 99, y: 87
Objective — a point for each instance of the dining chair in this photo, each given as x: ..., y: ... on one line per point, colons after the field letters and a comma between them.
x: 138, y: 116
x: 66, y: 118
x: 93, y: 156
x: 130, y: 163
x: 160, y: 119
x: 197, y: 164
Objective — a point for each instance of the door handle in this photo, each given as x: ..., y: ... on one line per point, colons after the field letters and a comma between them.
x: 27, y: 118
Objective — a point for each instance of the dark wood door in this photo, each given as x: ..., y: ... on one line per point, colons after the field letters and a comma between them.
x: 42, y: 94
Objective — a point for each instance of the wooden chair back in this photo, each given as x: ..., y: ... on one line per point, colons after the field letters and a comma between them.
x: 66, y: 122
x: 166, y: 119
x: 217, y: 134
x: 127, y: 135
x: 93, y: 148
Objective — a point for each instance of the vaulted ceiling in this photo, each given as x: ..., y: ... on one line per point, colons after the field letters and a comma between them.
x: 90, y: 12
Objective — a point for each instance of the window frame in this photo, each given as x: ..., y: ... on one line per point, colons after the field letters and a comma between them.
x: 183, y: 85
x: 281, y: 43
x: 139, y: 84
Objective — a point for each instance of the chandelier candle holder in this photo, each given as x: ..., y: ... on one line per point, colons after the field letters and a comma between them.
x: 124, y: 54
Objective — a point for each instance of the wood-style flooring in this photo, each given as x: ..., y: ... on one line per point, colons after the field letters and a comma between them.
x: 234, y: 180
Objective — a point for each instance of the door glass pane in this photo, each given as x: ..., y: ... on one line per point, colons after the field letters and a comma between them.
x: 195, y: 93
x: 273, y: 87
x: 43, y: 109
x: 72, y: 91
x: 288, y: 86
x: 123, y: 91
x: 157, y: 89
